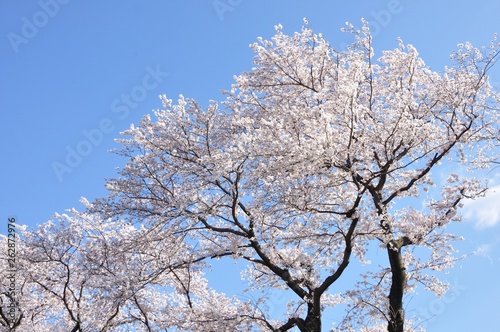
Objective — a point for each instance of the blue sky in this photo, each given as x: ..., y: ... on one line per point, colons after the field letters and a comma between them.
x: 74, y: 74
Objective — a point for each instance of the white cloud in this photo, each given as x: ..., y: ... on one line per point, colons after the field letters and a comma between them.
x: 484, y: 212
x: 485, y: 251
x: 489, y: 250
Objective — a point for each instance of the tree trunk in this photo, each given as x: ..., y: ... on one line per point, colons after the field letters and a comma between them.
x: 396, y: 313
x: 313, y: 319
x: 312, y: 322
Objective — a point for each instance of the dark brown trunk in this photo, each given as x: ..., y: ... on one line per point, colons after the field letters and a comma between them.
x: 313, y: 319
x: 312, y: 322
x: 398, y: 283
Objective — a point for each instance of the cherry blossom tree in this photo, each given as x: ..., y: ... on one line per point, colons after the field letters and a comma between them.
x: 315, y: 157
x: 81, y: 273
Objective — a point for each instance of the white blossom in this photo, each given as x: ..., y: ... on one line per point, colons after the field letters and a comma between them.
x: 305, y: 169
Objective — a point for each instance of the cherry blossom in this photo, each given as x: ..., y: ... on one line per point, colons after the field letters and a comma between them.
x: 315, y: 157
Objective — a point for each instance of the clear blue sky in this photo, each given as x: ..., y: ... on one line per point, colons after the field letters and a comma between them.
x: 73, y: 74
